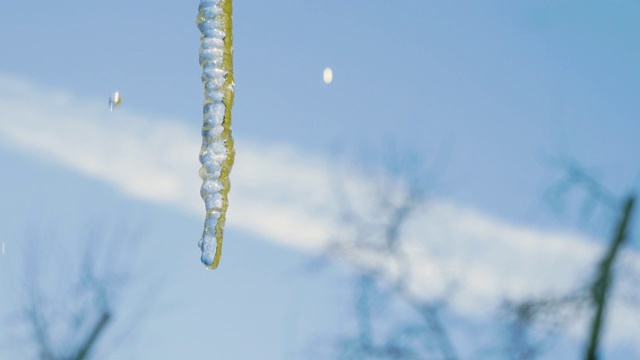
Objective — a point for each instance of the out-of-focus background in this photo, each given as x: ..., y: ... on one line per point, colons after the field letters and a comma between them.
x: 452, y: 193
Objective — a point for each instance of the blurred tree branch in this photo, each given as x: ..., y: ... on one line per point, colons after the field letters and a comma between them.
x: 73, y: 293
x: 603, y: 282
x: 87, y: 345
x: 373, y: 239
x: 594, y: 294
x: 375, y: 243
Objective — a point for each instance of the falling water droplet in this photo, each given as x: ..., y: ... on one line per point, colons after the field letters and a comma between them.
x: 327, y: 75
x: 114, y: 100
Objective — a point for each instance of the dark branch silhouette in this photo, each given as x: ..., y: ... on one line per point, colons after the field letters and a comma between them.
x: 592, y: 296
x: 602, y: 285
x: 88, y: 344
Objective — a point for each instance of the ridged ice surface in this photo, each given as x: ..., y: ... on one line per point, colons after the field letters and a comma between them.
x: 217, y: 153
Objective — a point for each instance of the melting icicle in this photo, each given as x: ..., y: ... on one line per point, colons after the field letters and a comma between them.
x: 217, y: 153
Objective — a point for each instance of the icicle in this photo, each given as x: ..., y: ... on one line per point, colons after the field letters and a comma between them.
x: 217, y: 153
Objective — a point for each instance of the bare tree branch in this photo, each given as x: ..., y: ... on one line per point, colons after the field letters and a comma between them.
x: 71, y: 294
x: 601, y: 286
x: 593, y: 295
x: 374, y: 242
x: 88, y: 344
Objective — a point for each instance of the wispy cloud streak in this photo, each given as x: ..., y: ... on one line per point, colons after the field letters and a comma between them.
x: 284, y: 195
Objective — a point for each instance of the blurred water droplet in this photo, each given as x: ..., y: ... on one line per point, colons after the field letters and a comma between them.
x: 327, y: 75
x: 114, y: 100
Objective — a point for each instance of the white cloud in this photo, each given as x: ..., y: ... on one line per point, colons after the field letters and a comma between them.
x: 284, y: 195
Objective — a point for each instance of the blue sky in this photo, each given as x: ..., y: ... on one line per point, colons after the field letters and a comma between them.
x: 488, y: 91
